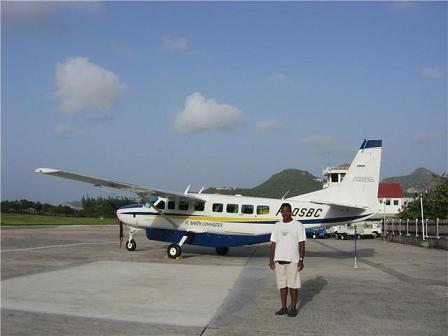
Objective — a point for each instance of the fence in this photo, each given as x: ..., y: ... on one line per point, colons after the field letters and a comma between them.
x: 434, y: 228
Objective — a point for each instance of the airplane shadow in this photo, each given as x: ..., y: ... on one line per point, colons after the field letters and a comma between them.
x: 310, y: 289
x: 263, y: 251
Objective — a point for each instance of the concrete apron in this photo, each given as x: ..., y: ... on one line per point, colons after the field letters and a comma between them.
x: 127, y: 291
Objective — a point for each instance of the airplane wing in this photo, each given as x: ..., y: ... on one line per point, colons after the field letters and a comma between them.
x: 141, y: 191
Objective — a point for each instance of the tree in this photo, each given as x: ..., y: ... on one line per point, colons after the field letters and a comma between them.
x: 435, y: 204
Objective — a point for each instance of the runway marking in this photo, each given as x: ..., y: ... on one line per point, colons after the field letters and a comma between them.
x: 54, y: 246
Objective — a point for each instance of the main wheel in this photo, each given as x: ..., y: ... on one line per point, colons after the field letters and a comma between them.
x: 131, y: 245
x: 222, y: 250
x: 342, y: 237
x: 314, y: 236
x: 174, y: 251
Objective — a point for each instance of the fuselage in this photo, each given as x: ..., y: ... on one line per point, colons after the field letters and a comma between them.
x: 235, y: 220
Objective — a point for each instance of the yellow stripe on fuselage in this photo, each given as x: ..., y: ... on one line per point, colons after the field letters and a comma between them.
x: 220, y: 219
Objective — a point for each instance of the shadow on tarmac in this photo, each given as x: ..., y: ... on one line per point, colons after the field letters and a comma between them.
x: 310, y: 289
x: 263, y: 251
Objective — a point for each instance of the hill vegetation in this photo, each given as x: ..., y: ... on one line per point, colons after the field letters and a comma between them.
x: 419, y: 181
x: 296, y: 181
x: 91, y: 207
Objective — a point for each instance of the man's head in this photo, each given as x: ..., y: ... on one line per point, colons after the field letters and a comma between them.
x: 285, y: 210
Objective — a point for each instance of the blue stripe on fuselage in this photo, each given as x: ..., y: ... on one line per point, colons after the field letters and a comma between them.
x: 205, y: 239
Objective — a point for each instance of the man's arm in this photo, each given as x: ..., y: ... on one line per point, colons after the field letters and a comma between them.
x: 302, y: 254
x: 271, y: 260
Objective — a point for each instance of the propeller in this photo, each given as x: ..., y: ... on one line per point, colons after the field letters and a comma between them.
x: 115, y: 207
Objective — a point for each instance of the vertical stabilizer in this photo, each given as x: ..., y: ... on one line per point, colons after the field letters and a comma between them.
x: 359, y: 187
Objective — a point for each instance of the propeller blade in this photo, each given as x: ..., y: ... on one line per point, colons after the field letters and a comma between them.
x: 121, y: 232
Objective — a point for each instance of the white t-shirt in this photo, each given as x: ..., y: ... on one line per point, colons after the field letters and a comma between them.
x: 286, y: 237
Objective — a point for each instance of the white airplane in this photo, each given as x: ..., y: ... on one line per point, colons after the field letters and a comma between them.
x: 224, y: 221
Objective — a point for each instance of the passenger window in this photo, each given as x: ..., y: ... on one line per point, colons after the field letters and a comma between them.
x: 183, y: 205
x: 232, y: 208
x: 199, y: 206
x: 262, y: 210
x: 171, y: 205
x: 217, y: 207
x: 247, y: 209
x: 161, y: 205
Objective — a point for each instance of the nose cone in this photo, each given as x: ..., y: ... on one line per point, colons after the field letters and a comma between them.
x: 126, y: 213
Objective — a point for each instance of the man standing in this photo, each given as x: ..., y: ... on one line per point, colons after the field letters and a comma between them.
x: 287, y: 253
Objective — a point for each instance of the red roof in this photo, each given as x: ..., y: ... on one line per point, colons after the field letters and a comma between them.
x: 390, y: 190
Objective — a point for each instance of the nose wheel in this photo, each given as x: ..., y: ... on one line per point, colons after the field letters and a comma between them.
x: 131, y: 245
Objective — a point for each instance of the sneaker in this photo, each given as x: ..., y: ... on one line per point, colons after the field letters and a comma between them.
x: 282, y: 311
x: 292, y: 313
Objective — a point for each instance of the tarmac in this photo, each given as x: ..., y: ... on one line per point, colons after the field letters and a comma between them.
x: 75, y: 280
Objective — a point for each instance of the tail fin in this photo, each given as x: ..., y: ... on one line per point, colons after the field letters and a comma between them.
x: 359, y: 188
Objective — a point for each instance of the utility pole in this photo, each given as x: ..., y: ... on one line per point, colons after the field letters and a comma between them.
x: 423, y: 220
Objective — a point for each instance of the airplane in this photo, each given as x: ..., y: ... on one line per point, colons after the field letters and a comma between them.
x: 224, y: 221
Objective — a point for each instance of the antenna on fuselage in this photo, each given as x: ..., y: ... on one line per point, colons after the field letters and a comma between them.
x: 200, y: 191
x: 285, y: 195
x: 188, y: 188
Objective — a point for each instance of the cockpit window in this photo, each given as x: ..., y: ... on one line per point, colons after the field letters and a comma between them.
x: 161, y: 205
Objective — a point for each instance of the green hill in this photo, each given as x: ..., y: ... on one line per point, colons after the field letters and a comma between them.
x: 297, y: 181
x: 420, y: 180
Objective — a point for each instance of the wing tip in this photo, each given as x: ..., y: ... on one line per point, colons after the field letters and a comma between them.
x: 45, y: 170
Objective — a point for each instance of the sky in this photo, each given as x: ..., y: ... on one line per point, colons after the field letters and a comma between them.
x: 172, y: 94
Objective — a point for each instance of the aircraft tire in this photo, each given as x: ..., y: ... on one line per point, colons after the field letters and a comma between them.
x: 131, y: 245
x: 342, y: 237
x: 174, y: 251
x: 222, y: 251
x: 314, y: 236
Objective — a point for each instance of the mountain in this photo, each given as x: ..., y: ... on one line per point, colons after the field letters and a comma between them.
x: 420, y: 180
x: 296, y: 181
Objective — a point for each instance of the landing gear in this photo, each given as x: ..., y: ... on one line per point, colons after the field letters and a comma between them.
x: 222, y: 251
x: 131, y: 245
x: 314, y: 236
x: 174, y: 251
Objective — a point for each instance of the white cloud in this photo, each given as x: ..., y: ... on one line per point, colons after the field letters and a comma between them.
x: 170, y: 43
x: 84, y: 85
x: 432, y: 72
x: 321, y: 141
x: 428, y: 137
x: 63, y: 131
x: 44, y: 13
x: 401, y: 5
x: 201, y: 113
x: 280, y: 78
x: 267, y: 125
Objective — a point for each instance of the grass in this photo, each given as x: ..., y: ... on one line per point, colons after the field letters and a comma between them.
x: 13, y: 219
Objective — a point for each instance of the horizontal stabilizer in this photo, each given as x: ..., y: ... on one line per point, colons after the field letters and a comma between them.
x: 341, y: 205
